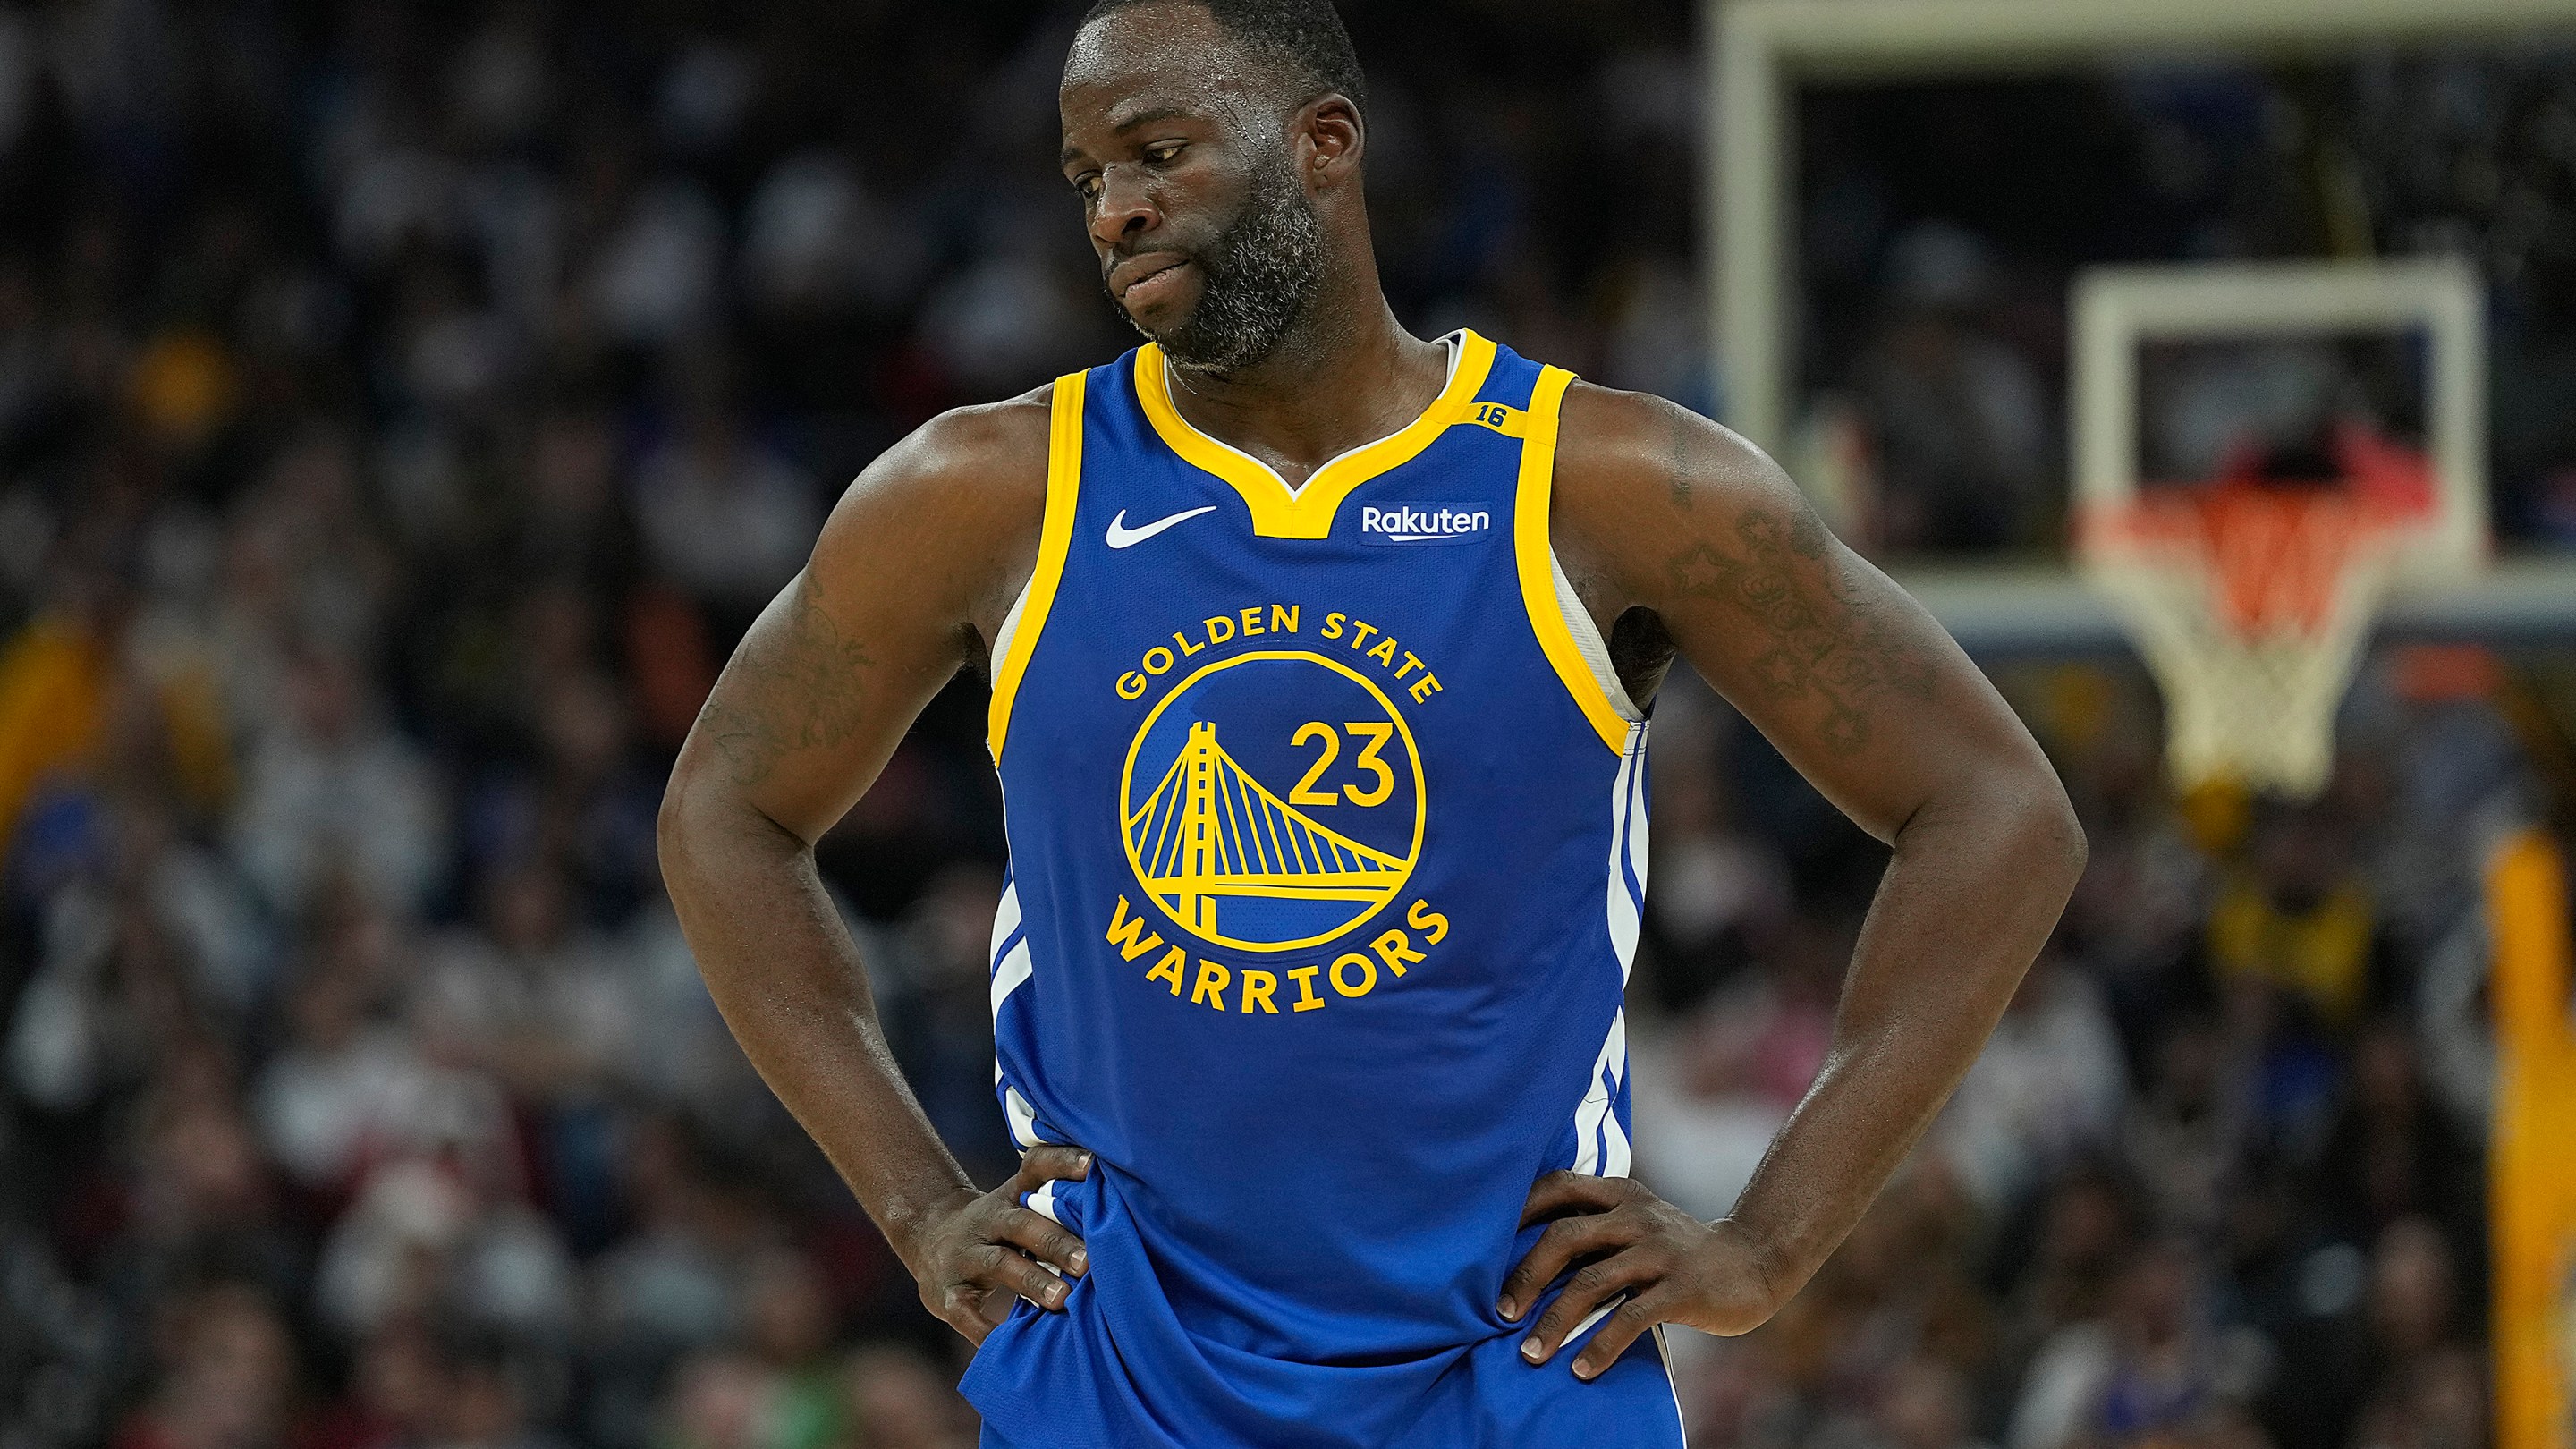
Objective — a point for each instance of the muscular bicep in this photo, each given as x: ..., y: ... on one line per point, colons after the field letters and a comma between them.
x: 911, y: 571
x: 1854, y: 682
x: 1836, y: 665
x: 813, y: 703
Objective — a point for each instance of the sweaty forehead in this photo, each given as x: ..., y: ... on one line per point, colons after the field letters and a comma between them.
x: 1155, y: 58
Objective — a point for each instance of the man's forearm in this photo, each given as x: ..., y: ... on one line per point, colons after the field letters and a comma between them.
x: 783, y: 970
x: 1973, y: 890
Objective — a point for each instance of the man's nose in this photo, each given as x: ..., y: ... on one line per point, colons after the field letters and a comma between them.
x: 1123, y: 211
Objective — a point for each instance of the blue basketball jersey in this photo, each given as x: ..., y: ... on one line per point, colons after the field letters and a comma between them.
x: 1328, y: 842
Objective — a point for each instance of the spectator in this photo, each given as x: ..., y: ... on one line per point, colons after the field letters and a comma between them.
x: 198, y: 1197
x: 102, y: 1001
x: 396, y: 1395
x: 2414, y: 1298
x: 1720, y: 890
x: 485, y: 1403
x: 1709, y: 1109
x: 2300, y: 922
x: 2438, y: 1401
x: 439, y: 1237
x: 2149, y: 1372
x: 686, y: 1060
x: 722, y: 515
x: 788, y: 1326
x: 2048, y: 1090
x: 1925, y: 1405
x: 2393, y: 1156
x: 2189, y: 1133
x: 55, y: 683
x: 225, y: 1376
x: 334, y: 1095
x: 900, y: 1400
x: 654, y: 279
x: 944, y: 1037
x: 673, y: 1286
x: 1958, y: 412
x: 336, y: 792
x: 194, y: 897
x: 2062, y: 1295
x: 719, y: 1400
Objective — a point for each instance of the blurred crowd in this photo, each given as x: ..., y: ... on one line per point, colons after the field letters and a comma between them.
x: 404, y: 408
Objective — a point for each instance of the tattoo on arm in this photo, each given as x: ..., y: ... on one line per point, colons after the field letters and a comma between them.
x: 796, y: 690
x: 1833, y: 645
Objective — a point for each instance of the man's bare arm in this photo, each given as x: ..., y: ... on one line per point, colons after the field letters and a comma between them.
x: 1659, y: 509
x: 914, y: 570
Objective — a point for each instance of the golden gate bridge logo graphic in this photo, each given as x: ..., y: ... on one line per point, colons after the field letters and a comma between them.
x: 1232, y: 862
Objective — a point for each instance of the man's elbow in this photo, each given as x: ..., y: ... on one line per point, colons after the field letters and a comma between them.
x: 2009, y: 810
x: 706, y: 817
x: 2051, y: 836
x: 681, y: 828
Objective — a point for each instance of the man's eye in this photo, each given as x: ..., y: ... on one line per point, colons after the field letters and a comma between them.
x: 1162, y: 155
x: 1086, y: 187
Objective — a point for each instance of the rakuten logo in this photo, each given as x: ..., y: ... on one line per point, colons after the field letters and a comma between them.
x: 1427, y: 524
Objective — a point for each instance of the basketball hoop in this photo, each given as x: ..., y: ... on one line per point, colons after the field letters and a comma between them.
x: 2251, y: 601
x: 2250, y: 588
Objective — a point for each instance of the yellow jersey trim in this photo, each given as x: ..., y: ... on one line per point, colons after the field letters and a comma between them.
x: 1536, y: 559
x: 1055, y: 544
x: 1279, y: 511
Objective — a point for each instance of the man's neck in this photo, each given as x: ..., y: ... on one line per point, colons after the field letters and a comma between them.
x: 1347, y: 375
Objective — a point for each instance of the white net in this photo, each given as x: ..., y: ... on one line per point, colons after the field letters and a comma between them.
x: 2251, y: 606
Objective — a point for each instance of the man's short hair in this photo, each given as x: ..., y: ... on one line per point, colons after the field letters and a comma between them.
x: 1304, y: 38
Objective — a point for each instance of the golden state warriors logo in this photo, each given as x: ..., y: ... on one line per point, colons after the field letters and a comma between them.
x: 1266, y: 836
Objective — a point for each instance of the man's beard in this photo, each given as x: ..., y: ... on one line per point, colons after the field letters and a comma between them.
x: 1255, y: 278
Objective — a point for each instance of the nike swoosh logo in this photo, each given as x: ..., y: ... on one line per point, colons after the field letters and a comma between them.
x: 1121, y: 536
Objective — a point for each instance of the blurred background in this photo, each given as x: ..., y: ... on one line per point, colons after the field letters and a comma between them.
x: 404, y: 408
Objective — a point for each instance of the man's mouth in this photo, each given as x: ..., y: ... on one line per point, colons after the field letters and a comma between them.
x: 1142, y: 281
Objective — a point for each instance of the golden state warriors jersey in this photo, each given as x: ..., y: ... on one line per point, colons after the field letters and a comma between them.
x: 1328, y: 844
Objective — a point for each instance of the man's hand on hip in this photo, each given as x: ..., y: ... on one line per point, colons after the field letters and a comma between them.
x: 1671, y: 1267
x: 976, y: 1252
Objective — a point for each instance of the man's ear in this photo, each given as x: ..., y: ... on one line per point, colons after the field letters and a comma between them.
x: 1331, y: 138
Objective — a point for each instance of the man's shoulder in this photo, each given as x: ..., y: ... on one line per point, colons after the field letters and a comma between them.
x: 959, y: 498
x: 982, y: 465
x: 1614, y: 441
x: 982, y: 442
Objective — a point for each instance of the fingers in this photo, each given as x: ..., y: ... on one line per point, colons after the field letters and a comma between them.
x: 1634, y: 1242
x: 1559, y: 1193
x: 1050, y: 1162
x: 1044, y: 1238
x: 974, y: 1311
x: 995, y: 1266
x: 1642, y: 1311
x: 995, y: 1250
x: 1591, y: 1286
x: 1565, y: 1240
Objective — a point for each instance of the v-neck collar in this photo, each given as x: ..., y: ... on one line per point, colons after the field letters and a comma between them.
x: 1279, y: 511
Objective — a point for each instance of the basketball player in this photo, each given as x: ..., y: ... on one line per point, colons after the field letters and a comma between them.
x: 1319, y: 657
